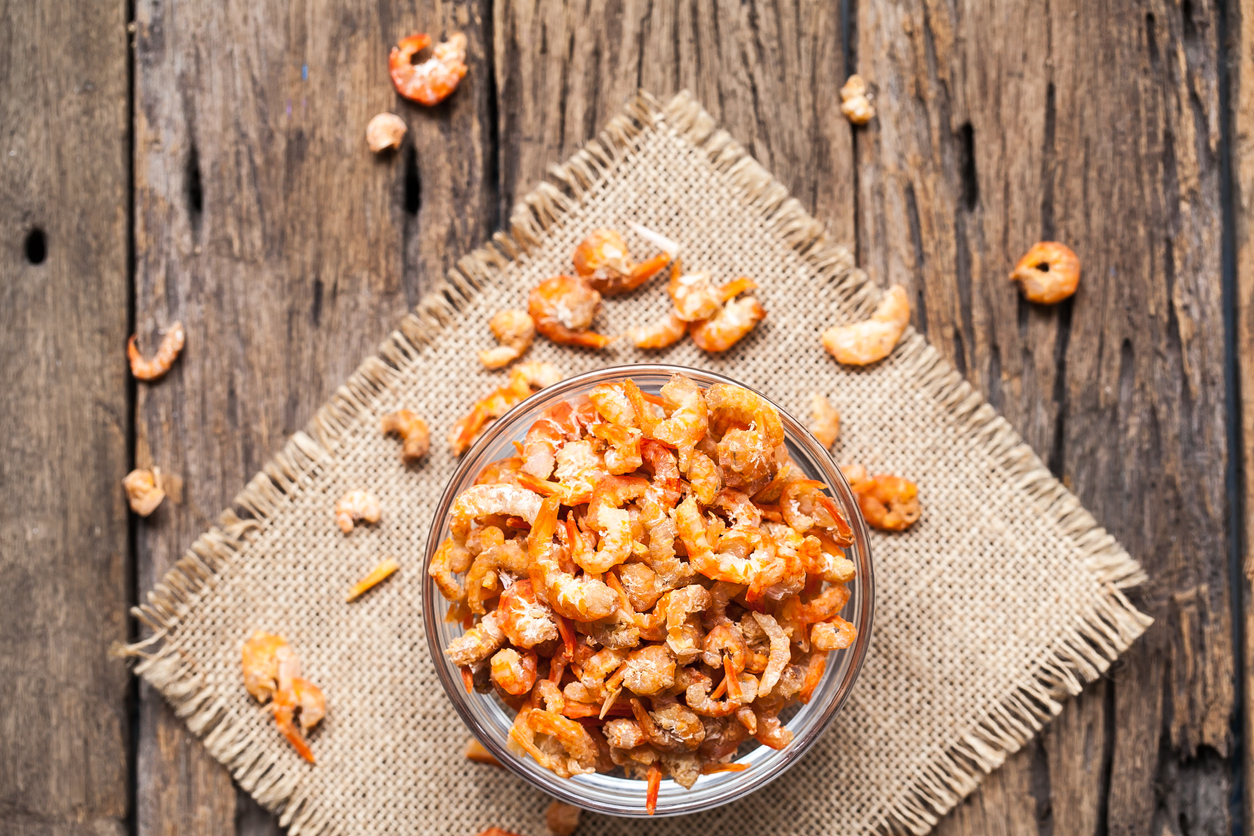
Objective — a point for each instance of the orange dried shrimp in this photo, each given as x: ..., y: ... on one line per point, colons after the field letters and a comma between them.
x: 524, y: 379
x: 603, y: 262
x: 1047, y: 273
x: 272, y: 673
x: 433, y: 80
x: 167, y: 353
x: 650, y: 583
x: 889, y: 503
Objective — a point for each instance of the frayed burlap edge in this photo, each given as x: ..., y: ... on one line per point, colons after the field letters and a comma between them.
x: 1080, y: 655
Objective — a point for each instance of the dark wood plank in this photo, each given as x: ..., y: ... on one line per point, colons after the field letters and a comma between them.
x: 289, y: 251
x: 64, y: 543
x: 768, y: 72
x: 1098, y: 125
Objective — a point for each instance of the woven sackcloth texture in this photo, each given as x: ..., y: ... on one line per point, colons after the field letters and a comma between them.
x: 1003, y: 599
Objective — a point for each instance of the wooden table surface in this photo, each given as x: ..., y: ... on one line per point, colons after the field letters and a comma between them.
x: 210, y: 166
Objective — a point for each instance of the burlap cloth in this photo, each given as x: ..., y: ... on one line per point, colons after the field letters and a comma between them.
x: 1003, y: 599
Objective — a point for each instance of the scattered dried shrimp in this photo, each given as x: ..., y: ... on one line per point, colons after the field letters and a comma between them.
x: 272, y: 674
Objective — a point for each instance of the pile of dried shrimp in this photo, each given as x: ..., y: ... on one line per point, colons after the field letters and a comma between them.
x: 649, y: 583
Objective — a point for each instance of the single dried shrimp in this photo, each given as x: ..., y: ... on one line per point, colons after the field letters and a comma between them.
x: 1047, y: 273
x: 873, y: 339
x: 563, y: 308
x: 272, y: 674
x: 433, y: 80
x: 524, y: 379
x: 824, y: 420
x: 413, y: 433
x: 356, y: 506
x: 167, y: 353
x: 889, y: 503
x: 514, y: 330
x: 602, y: 260
x: 143, y: 490
x: 649, y: 584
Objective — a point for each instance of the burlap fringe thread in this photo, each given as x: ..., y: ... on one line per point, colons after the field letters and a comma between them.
x: 1080, y: 656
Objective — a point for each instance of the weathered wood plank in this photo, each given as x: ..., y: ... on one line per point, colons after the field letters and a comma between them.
x: 1240, y: 32
x: 1001, y: 124
x: 288, y: 250
x: 64, y: 543
x: 768, y: 72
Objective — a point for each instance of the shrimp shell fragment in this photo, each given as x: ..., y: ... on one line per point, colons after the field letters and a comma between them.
x: 377, y: 576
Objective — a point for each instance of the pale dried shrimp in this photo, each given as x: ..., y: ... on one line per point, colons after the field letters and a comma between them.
x: 824, y: 420
x: 872, y: 339
x: 649, y: 584
x: 514, y: 330
x: 143, y: 490
x: 855, y: 101
x: 356, y: 506
x: 412, y: 430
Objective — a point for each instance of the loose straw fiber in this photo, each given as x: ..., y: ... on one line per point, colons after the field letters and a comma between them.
x: 1002, y: 600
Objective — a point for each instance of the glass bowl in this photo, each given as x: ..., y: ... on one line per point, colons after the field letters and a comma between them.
x: 490, y: 720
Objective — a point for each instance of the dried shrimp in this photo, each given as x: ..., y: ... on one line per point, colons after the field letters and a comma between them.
x: 167, y: 353
x: 563, y: 308
x: 668, y: 587
x: 889, y: 503
x: 433, y: 80
x: 413, y: 433
x: 1047, y: 273
x: 602, y: 260
x: 873, y: 339
x: 143, y: 490
x: 855, y: 102
x: 524, y: 379
x: 356, y: 506
x: 385, y: 132
x: 272, y: 674
x: 824, y: 420
x: 514, y: 330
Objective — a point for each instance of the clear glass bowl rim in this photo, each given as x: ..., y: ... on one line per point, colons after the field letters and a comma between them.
x: 815, y: 717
